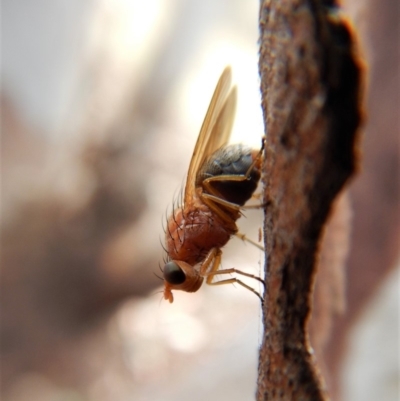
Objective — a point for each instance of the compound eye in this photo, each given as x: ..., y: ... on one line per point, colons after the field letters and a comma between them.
x: 173, y: 274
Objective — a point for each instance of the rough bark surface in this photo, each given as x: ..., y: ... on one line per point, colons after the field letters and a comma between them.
x: 310, y: 82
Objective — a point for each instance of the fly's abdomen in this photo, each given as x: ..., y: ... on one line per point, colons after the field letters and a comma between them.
x: 233, y: 161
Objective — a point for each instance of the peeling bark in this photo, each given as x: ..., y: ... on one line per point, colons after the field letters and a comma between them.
x: 311, y: 95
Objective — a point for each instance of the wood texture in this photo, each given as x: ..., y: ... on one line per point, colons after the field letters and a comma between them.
x: 311, y: 95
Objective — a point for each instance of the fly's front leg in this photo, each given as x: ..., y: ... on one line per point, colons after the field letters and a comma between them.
x: 232, y: 280
x: 237, y: 281
x: 209, y: 269
x: 233, y: 270
x: 210, y: 264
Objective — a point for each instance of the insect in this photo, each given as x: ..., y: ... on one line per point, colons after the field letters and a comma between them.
x: 221, y: 179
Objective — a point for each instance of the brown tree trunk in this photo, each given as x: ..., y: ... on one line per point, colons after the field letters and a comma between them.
x: 311, y: 96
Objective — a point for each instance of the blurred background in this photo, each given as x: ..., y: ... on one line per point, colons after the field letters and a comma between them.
x: 101, y: 104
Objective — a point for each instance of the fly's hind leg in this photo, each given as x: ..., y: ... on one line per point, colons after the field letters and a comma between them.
x: 213, y: 197
x: 227, y: 177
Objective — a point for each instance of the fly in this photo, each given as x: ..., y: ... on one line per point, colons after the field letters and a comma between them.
x: 220, y: 180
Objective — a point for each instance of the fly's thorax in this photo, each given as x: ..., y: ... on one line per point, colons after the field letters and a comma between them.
x: 193, y: 231
x: 231, y: 160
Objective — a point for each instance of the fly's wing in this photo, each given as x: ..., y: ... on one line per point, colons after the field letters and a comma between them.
x: 222, y: 127
x: 215, y: 129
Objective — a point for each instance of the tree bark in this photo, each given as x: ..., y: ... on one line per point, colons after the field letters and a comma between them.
x: 311, y: 96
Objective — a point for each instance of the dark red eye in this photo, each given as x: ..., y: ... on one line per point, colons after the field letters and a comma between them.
x: 173, y: 273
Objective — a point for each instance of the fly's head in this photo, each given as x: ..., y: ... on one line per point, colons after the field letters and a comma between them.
x: 180, y: 275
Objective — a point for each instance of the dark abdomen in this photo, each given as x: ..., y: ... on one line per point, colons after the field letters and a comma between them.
x: 231, y: 160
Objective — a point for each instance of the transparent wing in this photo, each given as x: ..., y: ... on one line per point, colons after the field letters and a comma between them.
x: 215, y: 129
x: 222, y: 127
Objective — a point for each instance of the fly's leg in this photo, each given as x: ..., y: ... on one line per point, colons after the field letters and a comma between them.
x: 213, y: 203
x: 245, y: 238
x: 258, y: 206
x: 213, y: 195
x: 258, y: 196
x: 213, y: 259
x: 237, y: 281
x: 211, y: 263
x: 213, y: 200
x: 228, y: 177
